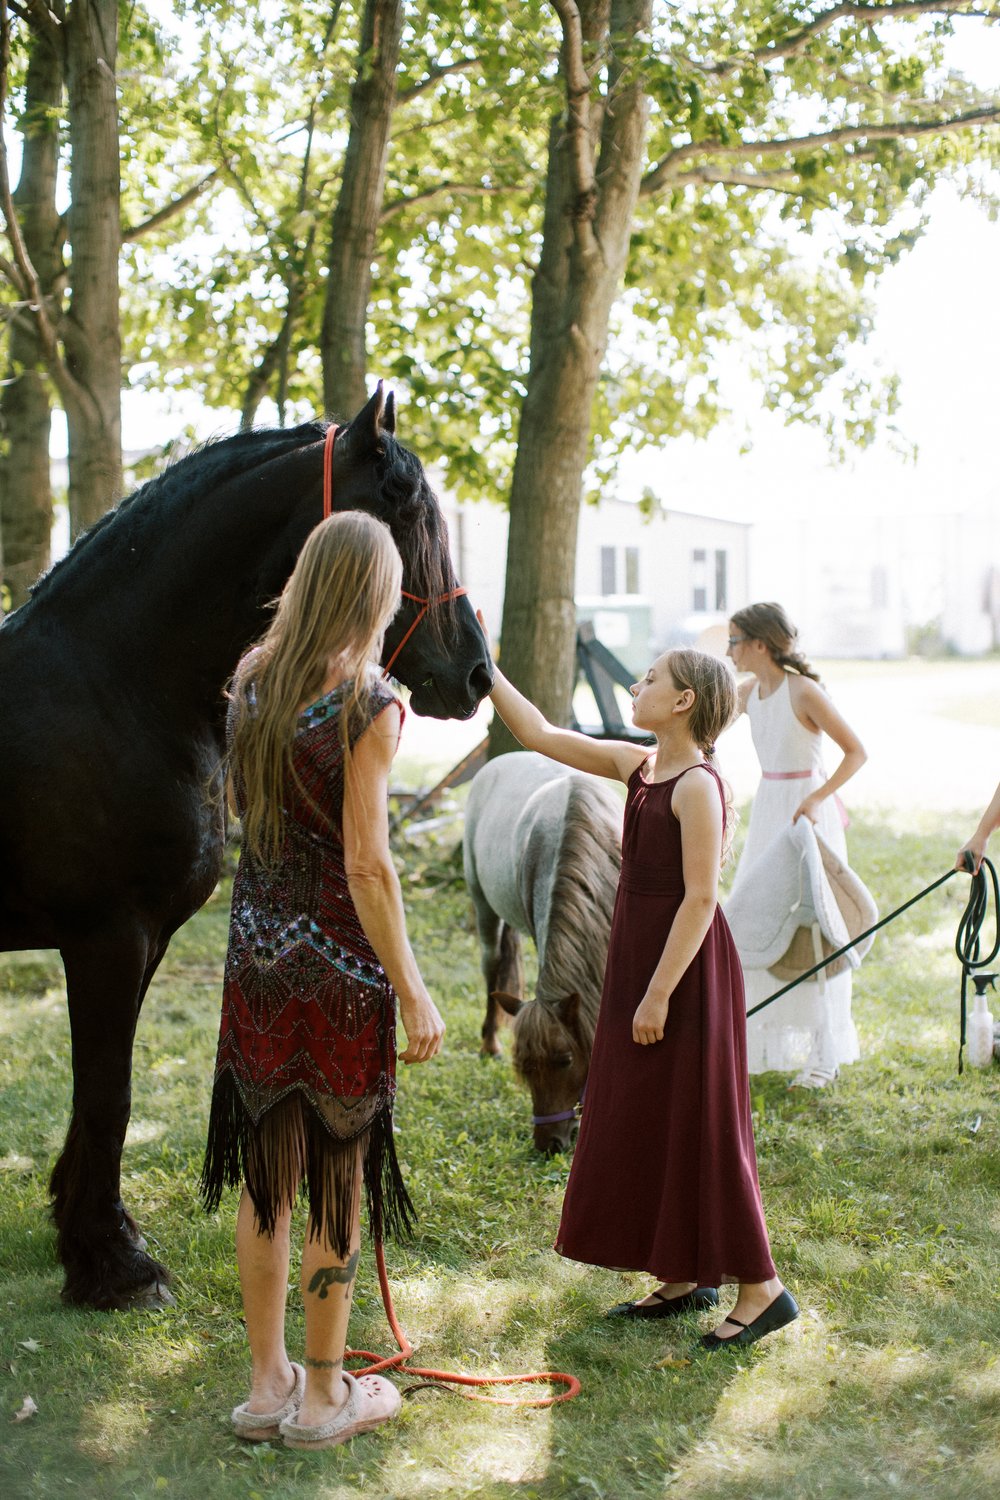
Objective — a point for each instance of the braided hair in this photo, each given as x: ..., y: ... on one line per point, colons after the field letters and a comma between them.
x: 769, y: 623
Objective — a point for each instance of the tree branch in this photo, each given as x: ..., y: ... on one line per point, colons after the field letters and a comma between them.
x: 796, y: 41
x: 38, y: 16
x: 718, y: 177
x: 71, y: 391
x: 12, y: 274
x: 133, y: 232
x: 434, y: 75
x: 578, y: 123
x: 460, y: 189
x: 663, y: 174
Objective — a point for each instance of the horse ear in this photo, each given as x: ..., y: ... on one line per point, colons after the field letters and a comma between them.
x: 389, y: 415
x: 510, y: 1003
x: 569, y: 1008
x: 363, y: 431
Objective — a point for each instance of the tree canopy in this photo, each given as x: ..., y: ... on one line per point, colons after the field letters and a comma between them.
x: 787, y: 151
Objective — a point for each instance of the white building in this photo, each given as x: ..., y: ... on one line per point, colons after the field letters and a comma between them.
x: 645, y: 582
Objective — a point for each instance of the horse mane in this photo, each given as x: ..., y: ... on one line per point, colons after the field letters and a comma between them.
x: 404, y: 500
x: 185, y: 481
x: 576, y: 944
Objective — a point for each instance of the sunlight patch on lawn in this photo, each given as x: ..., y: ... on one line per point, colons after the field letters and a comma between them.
x: 141, y: 1131
x: 20, y: 1011
x: 110, y: 1430
x: 502, y: 1457
x: 477, y: 1305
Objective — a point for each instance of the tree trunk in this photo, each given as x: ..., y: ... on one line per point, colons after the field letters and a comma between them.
x: 91, y: 332
x: 25, y: 481
x: 359, y: 206
x: 588, y: 223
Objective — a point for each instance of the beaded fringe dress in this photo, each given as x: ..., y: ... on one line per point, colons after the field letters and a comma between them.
x: 305, y: 1071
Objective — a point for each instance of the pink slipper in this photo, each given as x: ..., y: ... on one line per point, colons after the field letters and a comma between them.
x: 259, y: 1426
x: 370, y: 1402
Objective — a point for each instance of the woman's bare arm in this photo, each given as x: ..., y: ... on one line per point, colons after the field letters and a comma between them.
x: 374, y: 884
x: 815, y: 710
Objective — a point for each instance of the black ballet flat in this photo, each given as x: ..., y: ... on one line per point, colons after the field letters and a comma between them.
x: 783, y: 1310
x: 667, y: 1307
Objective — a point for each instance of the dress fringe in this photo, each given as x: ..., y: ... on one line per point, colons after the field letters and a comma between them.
x: 290, y: 1149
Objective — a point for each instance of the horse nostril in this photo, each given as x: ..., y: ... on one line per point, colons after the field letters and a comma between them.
x: 480, y: 680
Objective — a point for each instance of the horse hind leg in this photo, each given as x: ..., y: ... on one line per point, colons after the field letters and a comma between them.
x: 504, y: 971
x: 98, y: 1243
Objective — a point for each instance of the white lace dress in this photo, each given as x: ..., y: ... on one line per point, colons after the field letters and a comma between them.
x: 811, y: 1026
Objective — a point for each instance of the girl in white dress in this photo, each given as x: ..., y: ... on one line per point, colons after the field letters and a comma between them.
x: 810, y: 1028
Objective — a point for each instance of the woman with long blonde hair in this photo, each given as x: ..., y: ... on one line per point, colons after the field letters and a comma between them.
x: 317, y: 956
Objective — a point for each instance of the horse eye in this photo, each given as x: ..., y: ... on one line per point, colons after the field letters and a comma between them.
x: 565, y: 1060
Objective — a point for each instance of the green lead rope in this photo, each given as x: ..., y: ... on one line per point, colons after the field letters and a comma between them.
x: 967, y: 940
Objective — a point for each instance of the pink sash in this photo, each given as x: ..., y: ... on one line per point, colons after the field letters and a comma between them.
x: 845, y: 821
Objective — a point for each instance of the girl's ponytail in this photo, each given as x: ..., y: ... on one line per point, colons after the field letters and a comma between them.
x: 769, y: 623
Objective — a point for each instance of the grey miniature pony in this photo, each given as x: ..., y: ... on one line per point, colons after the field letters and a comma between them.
x: 542, y: 854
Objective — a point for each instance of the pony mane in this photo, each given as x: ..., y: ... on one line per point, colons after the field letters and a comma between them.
x: 183, y: 483
x: 583, y: 897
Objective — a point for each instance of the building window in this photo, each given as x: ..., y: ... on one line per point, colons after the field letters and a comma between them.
x: 631, y: 570
x: 699, y: 580
x: 720, y: 580
x: 608, y: 570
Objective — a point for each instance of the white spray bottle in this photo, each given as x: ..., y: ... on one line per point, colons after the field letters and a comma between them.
x: 979, y: 1039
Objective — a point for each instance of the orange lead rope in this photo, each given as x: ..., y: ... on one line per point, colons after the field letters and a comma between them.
x: 328, y: 442
x: 401, y: 1363
x: 398, y: 1361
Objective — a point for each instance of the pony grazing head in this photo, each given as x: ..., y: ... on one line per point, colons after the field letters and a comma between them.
x: 434, y: 645
x: 552, y: 1042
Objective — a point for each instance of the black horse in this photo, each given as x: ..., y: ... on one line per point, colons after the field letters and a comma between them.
x: 111, y: 730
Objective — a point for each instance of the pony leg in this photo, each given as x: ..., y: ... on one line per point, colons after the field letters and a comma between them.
x: 504, y: 970
x: 98, y: 1243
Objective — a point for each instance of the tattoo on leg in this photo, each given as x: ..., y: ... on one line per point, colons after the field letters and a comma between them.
x: 322, y: 1364
x: 328, y: 1276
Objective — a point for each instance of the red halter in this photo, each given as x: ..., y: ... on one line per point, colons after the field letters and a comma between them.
x: 425, y: 604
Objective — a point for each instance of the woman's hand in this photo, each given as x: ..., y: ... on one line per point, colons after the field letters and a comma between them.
x: 649, y: 1020
x: 423, y: 1026
x: 977, y: 848
x: 808, y: 808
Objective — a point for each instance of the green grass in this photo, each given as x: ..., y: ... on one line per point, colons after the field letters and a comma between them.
x: 882, y: 1199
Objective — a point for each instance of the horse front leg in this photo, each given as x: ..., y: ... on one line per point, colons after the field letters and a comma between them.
x: 99, y: 1244
x: 503, y: 968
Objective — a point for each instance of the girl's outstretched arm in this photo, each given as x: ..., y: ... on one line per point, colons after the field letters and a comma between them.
x: 698, y: 809
x: 529, y: 726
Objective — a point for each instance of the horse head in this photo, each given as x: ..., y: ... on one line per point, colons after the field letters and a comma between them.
x: 434, y: 644
x: 551, y: 1053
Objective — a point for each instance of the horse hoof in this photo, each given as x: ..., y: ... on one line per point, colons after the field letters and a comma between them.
x: 155, y: 1294
x: 491, y: 1054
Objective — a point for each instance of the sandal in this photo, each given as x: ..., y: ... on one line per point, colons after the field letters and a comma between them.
x: 371, y: 1400
x: 667, y: 1307
x: 814, y: 1078
x: 258, y: 1426
x: 782, y: 1311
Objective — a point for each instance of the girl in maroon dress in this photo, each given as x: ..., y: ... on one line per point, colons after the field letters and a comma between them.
x: 318, y: 953
x: 664, y: 1178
